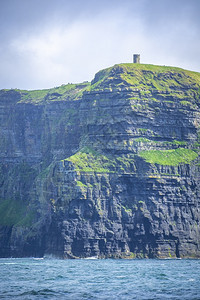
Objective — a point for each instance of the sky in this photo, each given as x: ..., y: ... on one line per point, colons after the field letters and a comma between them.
x: 47, y: 43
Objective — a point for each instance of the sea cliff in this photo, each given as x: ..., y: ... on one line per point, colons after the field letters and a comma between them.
x: 109, y: 168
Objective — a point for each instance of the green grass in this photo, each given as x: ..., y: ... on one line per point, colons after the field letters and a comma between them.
x: 59, y: 93
x: 175, y: 142
x: 89, y: 160
x: 100, y: 77
x: 185, y: 103
x: 127, y: 209
x: 162, y: 69
x: 79, y: 183
x: 142, y: 130
x: 63, y: 92
x: 142, y: 140
x: 172, y: 157
x: 167, y: 82
x: 146, y: 77
x: 159, y: 77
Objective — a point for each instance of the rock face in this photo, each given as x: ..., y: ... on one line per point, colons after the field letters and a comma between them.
x: 109, y: 168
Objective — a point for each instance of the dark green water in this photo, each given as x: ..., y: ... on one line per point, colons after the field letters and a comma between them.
x: 99, y: 279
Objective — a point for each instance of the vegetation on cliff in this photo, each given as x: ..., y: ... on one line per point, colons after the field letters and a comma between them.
x: 171, y: 157
x: 64, y: 92
x: 146, y: 77
x: 89, y: 160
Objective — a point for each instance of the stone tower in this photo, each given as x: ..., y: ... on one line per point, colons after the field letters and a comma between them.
x: 136, y: 58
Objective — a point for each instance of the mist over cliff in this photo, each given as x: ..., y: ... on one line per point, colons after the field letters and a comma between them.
x: 109, y: 168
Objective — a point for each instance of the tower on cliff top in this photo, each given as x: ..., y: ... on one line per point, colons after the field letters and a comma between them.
x: 136, y: 58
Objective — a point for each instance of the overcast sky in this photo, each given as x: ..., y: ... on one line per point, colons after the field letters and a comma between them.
x: 46, y: 43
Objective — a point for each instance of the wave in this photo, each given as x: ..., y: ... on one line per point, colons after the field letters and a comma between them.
x: 42, y: 292
x: 8, y: 263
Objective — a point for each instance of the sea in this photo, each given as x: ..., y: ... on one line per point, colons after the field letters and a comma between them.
x: 32, y: 278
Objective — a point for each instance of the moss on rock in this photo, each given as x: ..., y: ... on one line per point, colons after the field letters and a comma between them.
x: 171, y: 157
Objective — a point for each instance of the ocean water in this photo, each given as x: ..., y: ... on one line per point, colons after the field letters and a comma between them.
x: 99, y: 279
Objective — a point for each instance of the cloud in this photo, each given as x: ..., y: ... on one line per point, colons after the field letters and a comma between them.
x: 45, y: 44
x: 75, y: 52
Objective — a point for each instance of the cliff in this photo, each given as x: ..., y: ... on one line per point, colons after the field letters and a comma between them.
x: 109, y: 168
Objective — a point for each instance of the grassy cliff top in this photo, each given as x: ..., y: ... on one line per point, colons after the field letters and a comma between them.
x: 63, y: 92
x: 136, y: 76
x: 144, y: 76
